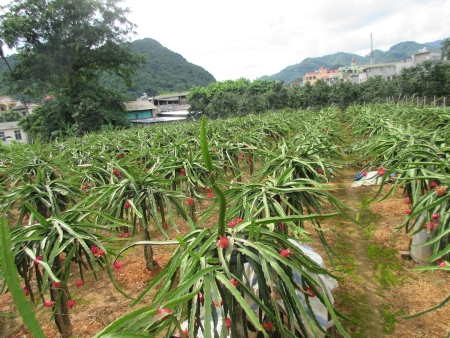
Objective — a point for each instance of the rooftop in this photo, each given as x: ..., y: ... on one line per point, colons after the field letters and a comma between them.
x: 375, y: 65
x: 171, y: 96
x: 139, y: 105
x: 7, y: 99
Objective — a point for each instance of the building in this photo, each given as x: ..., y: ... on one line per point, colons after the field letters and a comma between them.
x: 163, y: 108
x: 332, y: 76
x: 349, y: 73
x: 171, y: 102
x: 7, y: 103
x: 417, y: 58
x: 425, y: 55
x: 11, y: 131
x: 310, y: 77
x: 20, y: 108
x: 386, y: 70
x: 329, y: 76
x: 140, y: 109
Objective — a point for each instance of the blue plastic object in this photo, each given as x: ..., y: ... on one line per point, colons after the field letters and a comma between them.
x: 358, y: 177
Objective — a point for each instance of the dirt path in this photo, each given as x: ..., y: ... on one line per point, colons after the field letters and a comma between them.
x: 380, y: 287
x: 352, y: 247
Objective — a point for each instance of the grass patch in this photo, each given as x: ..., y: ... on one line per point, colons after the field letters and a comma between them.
x: 386, y: 264
x: 357, y: 308
x: 389, y: 318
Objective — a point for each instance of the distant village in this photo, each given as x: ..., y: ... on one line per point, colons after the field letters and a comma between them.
x: 361, y: 73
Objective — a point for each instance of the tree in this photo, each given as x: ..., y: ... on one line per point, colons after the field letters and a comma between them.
x: 426, y: 79
x: 9, y: 116
x: 375, y: 90
x: 76, y: 111
x: 343, y: 94
x: 63, y: 46
x: 320, y: 94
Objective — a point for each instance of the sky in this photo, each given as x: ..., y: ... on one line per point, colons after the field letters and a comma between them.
x: 247, y: 38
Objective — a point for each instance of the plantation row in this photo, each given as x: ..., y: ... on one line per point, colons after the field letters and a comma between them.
x: 83, y: 199
x: 411, y: 143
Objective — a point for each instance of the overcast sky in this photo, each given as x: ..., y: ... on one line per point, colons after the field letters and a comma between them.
x: 248, y: 38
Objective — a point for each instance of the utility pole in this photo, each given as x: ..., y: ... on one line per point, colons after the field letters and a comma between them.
x: 371, y: 49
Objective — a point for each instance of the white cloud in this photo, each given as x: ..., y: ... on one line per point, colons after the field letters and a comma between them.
x: 249, y: 38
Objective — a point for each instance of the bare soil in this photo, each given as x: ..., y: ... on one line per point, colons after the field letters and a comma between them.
x: 377, y: 290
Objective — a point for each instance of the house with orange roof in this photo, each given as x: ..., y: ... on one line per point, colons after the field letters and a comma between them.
x: 329, y: 76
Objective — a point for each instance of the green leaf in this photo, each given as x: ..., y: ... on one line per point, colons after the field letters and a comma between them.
x: 204, y: 142
x: 13, y: 282
x: 42, y: 263
x: 36, y: 214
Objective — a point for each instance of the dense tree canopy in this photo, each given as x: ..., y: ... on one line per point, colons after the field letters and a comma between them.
x: 64, y: 46
x: 446, y: 48
x: 91, y: 108
x: 240, y: 97
x: 426, y: 79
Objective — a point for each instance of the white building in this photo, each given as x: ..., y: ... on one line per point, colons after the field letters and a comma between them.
x: 11, y: 131
x: 388, y: 71
x: 385, y: 70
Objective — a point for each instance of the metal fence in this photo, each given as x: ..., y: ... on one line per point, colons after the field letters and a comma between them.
x: 422, y: 100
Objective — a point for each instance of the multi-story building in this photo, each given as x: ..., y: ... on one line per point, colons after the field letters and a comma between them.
x: 7, y: 103
x: 329, y: 76
x: 386, y: 70
x: 349, y: 73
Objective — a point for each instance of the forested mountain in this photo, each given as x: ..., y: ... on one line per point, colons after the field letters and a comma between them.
x: 398, y: 52
x: 163, y: 71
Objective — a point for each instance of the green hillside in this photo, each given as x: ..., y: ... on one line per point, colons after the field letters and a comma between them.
x: 163, y: 71
x: 398, y: 52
